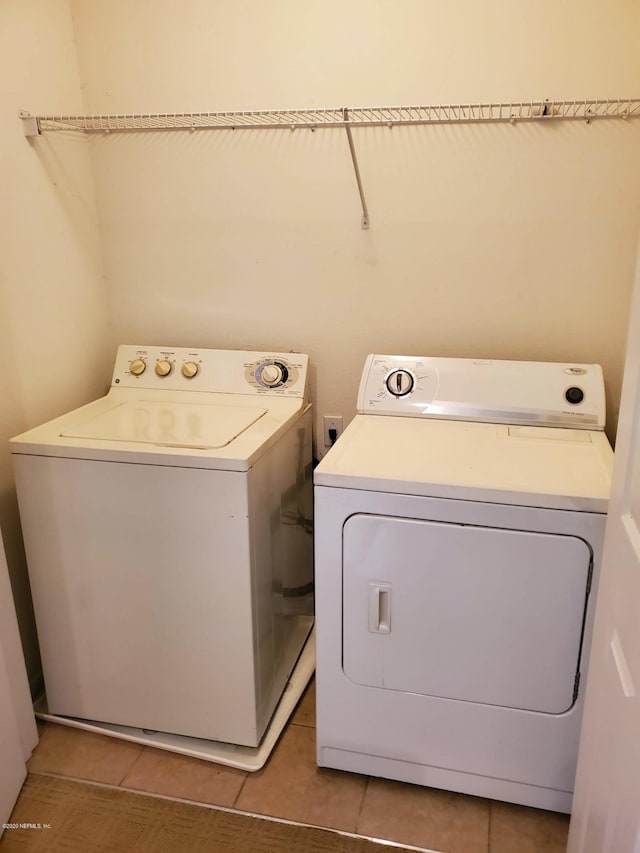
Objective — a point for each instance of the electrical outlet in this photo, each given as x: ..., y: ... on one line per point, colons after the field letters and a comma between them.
x: 329, y: 423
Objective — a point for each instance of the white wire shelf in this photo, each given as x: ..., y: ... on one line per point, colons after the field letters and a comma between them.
x: 338, y: 117
x: 391, y: 116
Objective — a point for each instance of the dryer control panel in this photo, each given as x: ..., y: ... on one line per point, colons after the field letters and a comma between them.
x: 211, y: 371
x: 513, y: 392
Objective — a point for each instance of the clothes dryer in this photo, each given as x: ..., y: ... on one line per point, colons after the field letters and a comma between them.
x: 459, y: 527
x: 167, y: 527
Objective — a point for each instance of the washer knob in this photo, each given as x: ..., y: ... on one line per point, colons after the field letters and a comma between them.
x: 137, y: 366
x: 271, y: 374
x: 190, y: 369
x: 163, y: 367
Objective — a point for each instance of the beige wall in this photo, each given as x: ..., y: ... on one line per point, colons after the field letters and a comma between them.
x: 493, y: 241
x: 55, y: 347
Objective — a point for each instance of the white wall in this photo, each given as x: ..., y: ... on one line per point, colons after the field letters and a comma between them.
x: 55, y: 345
x: 492, y: 241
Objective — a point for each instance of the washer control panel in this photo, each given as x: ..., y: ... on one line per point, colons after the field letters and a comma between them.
x: 212, y: 371
x: 514, y: 392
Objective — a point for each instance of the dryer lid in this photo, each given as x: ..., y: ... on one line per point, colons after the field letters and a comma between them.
x: 168, y: 424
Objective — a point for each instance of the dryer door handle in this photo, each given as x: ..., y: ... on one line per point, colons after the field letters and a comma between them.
x: 380, y: 608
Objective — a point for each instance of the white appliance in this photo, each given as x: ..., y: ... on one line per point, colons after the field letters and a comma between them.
x: 168, y: 535
x: 459, y: 525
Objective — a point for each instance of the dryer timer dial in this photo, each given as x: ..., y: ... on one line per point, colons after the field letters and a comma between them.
x: 400, y: 382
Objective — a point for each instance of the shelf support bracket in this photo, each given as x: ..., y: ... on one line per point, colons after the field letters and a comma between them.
x: 363, y: 201
x: 30, y: 125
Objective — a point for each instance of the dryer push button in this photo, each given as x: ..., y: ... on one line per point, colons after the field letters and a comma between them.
x: 574, y: 395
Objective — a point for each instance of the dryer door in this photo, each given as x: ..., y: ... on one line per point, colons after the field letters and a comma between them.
x: 477, y: 614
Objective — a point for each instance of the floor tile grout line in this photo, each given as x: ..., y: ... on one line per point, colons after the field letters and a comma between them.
x: 240, y: 812
x: 143, y: 749
x: 362, y: 798
x: 241, y: 788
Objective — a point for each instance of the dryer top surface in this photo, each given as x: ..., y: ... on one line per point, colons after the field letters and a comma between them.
x: 498, y: 463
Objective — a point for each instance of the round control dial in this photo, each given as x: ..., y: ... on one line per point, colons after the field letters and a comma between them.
x: 400, y: 383
x: 137, y: 367
x: 272, y: 374
x: 190, y: 369
x: 163, y: 367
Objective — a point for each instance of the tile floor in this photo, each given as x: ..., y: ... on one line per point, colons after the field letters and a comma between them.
x: 291, y: 786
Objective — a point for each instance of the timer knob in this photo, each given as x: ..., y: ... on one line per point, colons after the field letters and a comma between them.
x: 190, y: 369
x: 400, y: 383
x: 271, y: 374
x: 163, y: 367
x: 137, y: 366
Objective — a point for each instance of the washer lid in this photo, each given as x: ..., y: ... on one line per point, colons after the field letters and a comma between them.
x: 168, y: 424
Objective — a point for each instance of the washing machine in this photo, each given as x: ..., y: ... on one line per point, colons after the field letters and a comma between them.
x: 459, y: 528
x: 168, y: 533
